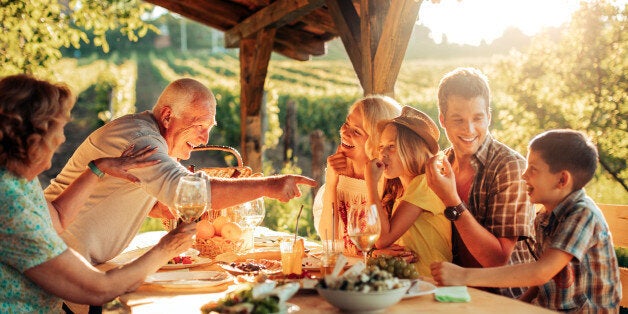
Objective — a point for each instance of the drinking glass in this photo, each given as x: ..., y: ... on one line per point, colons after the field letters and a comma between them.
x: 251, y: 214
x: 191, y: 199
x: 363, y: 227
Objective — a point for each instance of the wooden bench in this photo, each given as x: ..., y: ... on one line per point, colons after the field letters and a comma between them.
x: 617, y: 219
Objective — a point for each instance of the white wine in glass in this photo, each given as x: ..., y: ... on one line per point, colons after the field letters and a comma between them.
x: 363, y: 227
x: 191, y: 199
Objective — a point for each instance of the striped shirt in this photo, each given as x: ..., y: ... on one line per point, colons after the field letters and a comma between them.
x: 590, y: 282
x: 499, y: 202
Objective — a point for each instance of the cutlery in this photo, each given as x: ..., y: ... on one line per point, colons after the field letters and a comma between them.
x: 414, y: 282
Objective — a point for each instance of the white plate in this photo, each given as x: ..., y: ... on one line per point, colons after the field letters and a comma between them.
x: 269, y: 241
x: 419, y: 288
x: 189, y: 279
x: 310, y: 263
x: 238, y: 271
x: 196, y: 261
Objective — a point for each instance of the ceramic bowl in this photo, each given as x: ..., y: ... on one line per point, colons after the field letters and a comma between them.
x: 360, y: 302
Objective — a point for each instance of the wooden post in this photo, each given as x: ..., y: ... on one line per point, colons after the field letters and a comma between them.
x: 290, y: 132
x: 377, y: 43
x: 317, y: 147
x: 254, y: 58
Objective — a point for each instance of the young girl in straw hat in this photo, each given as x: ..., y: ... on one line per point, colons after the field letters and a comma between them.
x: 417, y: 221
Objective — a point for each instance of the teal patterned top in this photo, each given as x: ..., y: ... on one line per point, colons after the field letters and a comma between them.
x: 27, y: 239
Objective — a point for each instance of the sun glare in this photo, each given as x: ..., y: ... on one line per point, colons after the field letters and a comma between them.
x: 471, y: 21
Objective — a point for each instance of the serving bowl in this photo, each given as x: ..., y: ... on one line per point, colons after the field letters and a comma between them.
x: 361, y: 302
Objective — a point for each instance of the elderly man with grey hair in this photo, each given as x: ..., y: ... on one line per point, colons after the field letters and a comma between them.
x: 180, y: 120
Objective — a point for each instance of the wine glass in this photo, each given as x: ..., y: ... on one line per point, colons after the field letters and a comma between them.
x: 253, y: 212
x: 191, y: 199
x: 251, y: 215
x: 363, y: 227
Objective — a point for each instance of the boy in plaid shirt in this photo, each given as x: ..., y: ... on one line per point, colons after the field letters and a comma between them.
x: 577, y: 269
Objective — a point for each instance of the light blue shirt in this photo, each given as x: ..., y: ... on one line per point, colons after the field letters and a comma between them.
x: 27, y: 239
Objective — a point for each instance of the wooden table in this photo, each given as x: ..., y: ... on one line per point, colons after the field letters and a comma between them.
x: 155, y: 299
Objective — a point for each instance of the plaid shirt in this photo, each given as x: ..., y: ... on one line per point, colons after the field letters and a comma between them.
x: 499, y: 201
x: 576, y: 226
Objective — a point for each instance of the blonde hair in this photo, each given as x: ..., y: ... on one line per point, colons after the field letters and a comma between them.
x: 413, y: 150
x: 374, y: 109
x: 414, y: 153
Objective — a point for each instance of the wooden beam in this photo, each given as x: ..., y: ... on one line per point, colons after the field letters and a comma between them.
x: 255, y: 3
x: 218, y: 14
x: 347, y: 22
x: 275, y: 15
x: 321, y: 19
x: 300, y: 40
x: 290, y: 52
x: 397, y: 30
x: 255, y: 54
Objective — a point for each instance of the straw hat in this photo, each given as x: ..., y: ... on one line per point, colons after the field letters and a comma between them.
x: 419, y: 123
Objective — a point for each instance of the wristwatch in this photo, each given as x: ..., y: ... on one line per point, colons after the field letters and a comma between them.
x: 454, y: 212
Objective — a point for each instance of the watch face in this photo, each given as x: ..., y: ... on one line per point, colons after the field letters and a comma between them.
x: 451, y: 213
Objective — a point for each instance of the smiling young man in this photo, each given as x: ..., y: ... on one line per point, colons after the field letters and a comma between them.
x: 577, y: 270
x: 481, y: 183
x: 180, y: 120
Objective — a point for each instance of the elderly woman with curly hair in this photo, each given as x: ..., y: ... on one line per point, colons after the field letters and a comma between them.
x: 37, y: 269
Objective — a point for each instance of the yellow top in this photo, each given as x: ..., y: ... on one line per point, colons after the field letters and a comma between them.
x: 430, y: 235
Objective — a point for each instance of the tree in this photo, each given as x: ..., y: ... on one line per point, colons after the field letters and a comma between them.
x: 578, y: 81
x: 33, y: 32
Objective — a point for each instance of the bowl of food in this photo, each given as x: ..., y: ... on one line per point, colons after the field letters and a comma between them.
x: 369, y: 291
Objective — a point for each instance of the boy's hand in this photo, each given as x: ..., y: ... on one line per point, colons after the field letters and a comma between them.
x: 448, y: 274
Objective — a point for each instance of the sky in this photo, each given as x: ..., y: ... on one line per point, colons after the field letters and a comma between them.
x: 471, y: 21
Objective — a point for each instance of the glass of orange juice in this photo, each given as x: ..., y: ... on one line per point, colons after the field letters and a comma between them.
x: 291, y: 257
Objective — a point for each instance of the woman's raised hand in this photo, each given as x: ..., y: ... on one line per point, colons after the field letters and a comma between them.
x: 119, y: 166
x: 338, y: 162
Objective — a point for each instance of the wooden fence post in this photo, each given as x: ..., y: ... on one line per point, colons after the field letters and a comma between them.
x: 317, y: 147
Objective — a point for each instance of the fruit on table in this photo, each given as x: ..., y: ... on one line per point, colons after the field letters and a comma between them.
x: 231, y: 231
x: 219, y: 222
x: 394, y: 265
x: 181, y: 260
x: 204, y: 229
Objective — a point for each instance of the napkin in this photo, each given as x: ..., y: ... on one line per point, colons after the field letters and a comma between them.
x: 452, y: 294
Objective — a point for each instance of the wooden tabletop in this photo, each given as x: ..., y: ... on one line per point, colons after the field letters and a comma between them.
x: 149, y: 299
x: 156, y: 299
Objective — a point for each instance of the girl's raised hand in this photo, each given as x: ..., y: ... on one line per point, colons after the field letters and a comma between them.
x: 374, y: 170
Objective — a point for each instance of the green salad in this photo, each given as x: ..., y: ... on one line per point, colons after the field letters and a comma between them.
x: 242, y: 301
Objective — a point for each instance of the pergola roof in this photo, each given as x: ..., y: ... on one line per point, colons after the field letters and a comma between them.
x: 303, y: 26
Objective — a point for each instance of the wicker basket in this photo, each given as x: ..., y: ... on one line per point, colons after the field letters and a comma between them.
x: 240, y: 171
x: 213, y: 246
